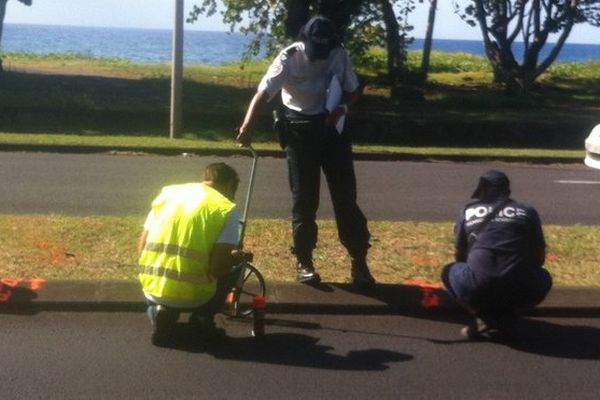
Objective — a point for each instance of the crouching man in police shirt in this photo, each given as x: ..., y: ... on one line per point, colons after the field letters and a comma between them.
x: 499, y: 260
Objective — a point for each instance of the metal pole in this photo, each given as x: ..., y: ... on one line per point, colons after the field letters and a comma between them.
x: 244, y: 217
x: 177, y: 71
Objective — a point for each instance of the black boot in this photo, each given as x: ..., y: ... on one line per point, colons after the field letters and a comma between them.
x: 306, y: 273
x: 361, y: 277
x: 498, y: 327
x: 163, y: 321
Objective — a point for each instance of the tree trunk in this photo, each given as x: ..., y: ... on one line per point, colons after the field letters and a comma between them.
x: 395, y: 61
x: 297, y: 15
x: 428, y: 40
x: 505, y: 68
x: 531, y: 69
x: 571, y: 15
x: 535, y: 23
x: 340, y: 12
x: 2, y: 14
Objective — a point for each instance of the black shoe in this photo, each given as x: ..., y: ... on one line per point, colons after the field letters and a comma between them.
x: 477, y: 330
x: 163, y: 323
x: 361, y: 277
x: 505, y: 323
x: 305, y: 273
x: 491, y: 328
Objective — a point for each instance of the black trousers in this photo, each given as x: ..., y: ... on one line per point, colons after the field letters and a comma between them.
x: 310, y: 148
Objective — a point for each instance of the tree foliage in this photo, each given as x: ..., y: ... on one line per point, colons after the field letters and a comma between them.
x: 502, y: 22
x: 361, y: 23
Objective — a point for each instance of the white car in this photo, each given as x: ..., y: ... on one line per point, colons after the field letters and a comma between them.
x: 592, y: 148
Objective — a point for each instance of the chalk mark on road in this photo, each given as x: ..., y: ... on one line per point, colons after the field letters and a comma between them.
x: 579, y: 182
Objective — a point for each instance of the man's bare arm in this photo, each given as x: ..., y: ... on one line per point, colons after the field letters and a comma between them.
x: 257, y: 103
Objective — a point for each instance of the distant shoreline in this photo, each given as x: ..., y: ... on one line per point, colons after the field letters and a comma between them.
x: 144, y: 45
x: 129, y: 28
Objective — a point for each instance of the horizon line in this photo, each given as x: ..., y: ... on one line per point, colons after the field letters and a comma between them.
x: 228, y: 31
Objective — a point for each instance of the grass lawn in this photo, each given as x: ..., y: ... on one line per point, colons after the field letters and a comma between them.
x: 80, y: 101
x: 65, y: 247
x: 77, y: 98
x: 112, y: 142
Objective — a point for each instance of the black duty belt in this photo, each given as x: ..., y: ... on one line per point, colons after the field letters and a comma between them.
x: 297, y: 118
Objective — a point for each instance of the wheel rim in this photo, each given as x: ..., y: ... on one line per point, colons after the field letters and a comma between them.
x: 252, y: 285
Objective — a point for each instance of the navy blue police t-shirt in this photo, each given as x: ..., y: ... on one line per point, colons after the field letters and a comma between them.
x: 507, y: 245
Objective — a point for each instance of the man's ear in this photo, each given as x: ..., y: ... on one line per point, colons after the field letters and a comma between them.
x: 228, y: 190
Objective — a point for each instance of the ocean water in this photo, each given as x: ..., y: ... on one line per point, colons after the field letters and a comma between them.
x: 200, y: 47
x: 137, y: 45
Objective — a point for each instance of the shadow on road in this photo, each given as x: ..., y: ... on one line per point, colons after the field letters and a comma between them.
x: 288, y: 349
x: 562, y: 341
x: 547, y: 339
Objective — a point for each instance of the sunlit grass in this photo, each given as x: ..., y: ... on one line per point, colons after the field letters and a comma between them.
x: 82, y: 100
x: 191, y: 141
x: 68, y: 247
x: 235, y: 73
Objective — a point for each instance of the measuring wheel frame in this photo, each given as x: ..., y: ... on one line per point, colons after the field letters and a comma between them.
x: 250, y: 284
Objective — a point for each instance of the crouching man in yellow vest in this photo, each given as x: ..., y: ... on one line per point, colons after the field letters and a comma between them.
x: 188, y: 250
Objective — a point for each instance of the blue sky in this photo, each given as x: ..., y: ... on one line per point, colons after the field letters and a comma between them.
x: 159, y: 14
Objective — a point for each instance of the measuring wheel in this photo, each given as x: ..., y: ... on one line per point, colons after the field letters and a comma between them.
x: 250, y: 284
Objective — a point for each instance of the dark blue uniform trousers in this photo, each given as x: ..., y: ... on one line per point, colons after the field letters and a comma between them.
x: 311, y: 147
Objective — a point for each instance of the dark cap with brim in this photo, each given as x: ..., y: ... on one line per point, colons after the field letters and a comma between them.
x: 319, y: 38
x: 492, y: 179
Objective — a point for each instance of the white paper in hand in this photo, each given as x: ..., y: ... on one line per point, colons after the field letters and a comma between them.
x: 334, y: 99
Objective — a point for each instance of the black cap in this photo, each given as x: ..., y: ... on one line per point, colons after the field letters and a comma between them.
x: 319, y: 38
x: 492, y: 179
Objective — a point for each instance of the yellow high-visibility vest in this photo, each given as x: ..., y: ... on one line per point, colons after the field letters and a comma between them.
x: 174, y: 262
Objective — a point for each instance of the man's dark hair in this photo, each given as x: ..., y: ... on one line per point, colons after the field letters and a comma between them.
x: 220, y: 174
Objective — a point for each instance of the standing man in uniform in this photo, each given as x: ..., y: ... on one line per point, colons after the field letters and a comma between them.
x: 303, y: 72
x: 188, y: 250
x: 500, y: 252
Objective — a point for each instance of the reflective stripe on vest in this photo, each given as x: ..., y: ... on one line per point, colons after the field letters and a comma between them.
x: 179, y: 251
x: 176, y: 275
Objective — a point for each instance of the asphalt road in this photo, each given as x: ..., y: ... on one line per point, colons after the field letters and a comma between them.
x: 69, y: 355
x: 103, y: 184
x: 74, y: 355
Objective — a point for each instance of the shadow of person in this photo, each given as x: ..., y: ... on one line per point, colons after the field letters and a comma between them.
x: 320, y: 286
x: 402, y: 296
x: 288, y: 349
x: 428, y: 301
x: 17, y: 300
x: 545, y: 338
x: 562, y: 341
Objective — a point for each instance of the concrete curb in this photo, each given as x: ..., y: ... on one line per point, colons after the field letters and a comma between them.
x: 282, y: 297
x: 361, y: 156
